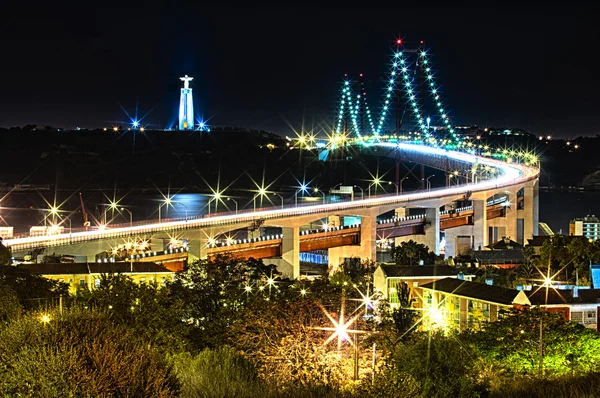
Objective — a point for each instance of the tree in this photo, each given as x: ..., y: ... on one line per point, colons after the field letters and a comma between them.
x: 147, y: 309
x: 5, y: 254
x: 214, y: 290
x: 513, y: 342
x: 33, y: 291
x: 409, y: 253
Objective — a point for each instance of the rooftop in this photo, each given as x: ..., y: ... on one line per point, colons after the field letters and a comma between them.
x: 94, y: 268
x: 474, y: 290
x: 405, y: 271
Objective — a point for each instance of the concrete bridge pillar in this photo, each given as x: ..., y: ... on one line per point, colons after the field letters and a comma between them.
x: 480, y: 230
x: 528, y: 216
x: 365, y: 251
x: 431, y: 238
x: 289, y: 263
x: 401, y: 212
x: 334, y: 221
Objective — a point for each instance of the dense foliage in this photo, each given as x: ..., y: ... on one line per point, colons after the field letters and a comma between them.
x: 226, y: 327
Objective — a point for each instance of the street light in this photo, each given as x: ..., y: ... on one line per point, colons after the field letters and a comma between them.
x: 261, y: 192
x: 316, y: 190
x: 186, y: 210
x: 236, y: 204
x: 376, y: 181
x: 303, y: 188
x: 362, y: 192
x: 130, y: 216
x: 401, y: 181
x: 428, y: 183
x: 281, y: 197
x: 166, y: 202
x: 396, y: 185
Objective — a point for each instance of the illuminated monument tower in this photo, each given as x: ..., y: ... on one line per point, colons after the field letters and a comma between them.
x: 186, y: 105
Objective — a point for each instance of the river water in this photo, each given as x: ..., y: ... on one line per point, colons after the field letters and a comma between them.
x: 22, y: 210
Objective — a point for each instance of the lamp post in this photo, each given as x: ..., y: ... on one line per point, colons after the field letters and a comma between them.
x: 130, y: 216
x: 303, y: 188
x: 216, y: 197
x: 281, y: 197
x: 362, y: 192
x: 186, y: 210
x: 376, y: 181
x: 261, y: 192
x: 316, y: 190
x: 236, y: 205
x: 401, y: 181
x: 391, y: 183
x: 166, y: 202
x: 428, y: 183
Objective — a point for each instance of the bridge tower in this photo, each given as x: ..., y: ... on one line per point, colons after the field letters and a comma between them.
x: 186, y: 105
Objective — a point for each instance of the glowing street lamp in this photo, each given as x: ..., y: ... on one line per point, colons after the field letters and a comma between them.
x: 376, y: 181
x: 130, y: 216
x: 216, y: 196
x: 316, y: 190
x: 45, y: 318
x: 166, y: 202
x: 262, y: 192
x: 236, y: 204
x: 304, y: 189
x: 281, y: 197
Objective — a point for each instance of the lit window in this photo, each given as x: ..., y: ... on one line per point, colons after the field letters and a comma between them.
x: 96, y: 282
x: 415, y: 284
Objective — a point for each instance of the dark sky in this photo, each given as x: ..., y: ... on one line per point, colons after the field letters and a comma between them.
x: 266, y: 66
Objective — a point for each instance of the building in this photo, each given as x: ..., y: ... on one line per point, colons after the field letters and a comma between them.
x: 88, y: 275
x: 588, y: 226
x: 505, y: 253
x: 580, y: 305
x: 454, y: 304
x: 388, y: 278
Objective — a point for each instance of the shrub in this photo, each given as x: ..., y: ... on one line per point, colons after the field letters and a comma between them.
x: 80, y: 354
x: 221, y: 372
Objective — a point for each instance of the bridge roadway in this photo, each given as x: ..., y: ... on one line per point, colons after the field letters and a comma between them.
x: 509, y: 176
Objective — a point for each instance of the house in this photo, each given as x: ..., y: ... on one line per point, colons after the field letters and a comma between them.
x: 454, y: 304
x: 505, y: 253
x: 387, y: 279
x: 580, y: 306
x: 88, y: 275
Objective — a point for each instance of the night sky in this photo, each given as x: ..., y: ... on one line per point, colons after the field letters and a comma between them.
x: 265, y: 66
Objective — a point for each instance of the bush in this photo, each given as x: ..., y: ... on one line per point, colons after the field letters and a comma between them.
x: 222, y: 372
x: 80, y: 354
x: 562, y: 387
x: 441, y: 364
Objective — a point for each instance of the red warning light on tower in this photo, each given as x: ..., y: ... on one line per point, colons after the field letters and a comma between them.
x: 421, y: 41
x: 399, y: 41
x: 361, y: 75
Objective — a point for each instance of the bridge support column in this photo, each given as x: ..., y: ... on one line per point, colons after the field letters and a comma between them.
x: 528, y: 216
x: 401, y: 212
x: 365, y: 251
x: 480, y: 230
x: 431, y: 237
x: 333, y: 221
x: 289, y: 263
